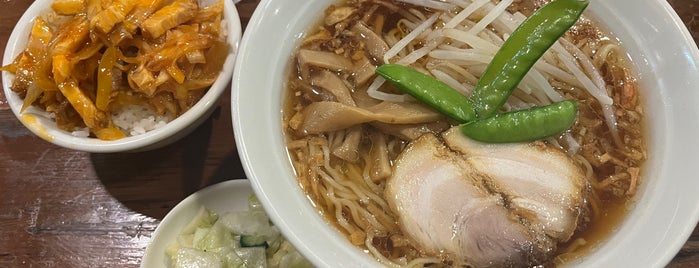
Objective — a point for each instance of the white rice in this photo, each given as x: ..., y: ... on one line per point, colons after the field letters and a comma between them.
x: 135, y: 120
x: 81, y: 132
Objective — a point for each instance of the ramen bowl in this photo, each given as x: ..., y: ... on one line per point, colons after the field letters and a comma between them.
x: 663, y: 213
x: 44, y: 126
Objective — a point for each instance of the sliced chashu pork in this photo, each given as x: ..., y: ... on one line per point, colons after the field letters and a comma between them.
x: 541, y: 183
x: 443, y: 207
x: 447, y: 204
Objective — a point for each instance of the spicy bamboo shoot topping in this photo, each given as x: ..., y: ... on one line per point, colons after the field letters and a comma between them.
x: 89, y: 58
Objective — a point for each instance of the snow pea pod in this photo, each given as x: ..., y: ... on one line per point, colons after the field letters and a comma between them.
x: 524, y: 125
x: 430, y: 91
x: 520, y: 51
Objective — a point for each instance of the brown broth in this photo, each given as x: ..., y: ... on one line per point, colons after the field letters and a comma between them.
x: 615, y: 204
x: 596, y: 232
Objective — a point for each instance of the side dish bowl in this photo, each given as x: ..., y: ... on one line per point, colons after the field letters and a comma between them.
x: 40, y: 123
x: 660, y: 220
x: 224, y: 197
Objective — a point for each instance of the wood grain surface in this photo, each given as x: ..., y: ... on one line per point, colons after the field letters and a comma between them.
x: 64, y: 208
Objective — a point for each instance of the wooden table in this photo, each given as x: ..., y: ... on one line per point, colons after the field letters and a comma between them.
x: 64, y: 208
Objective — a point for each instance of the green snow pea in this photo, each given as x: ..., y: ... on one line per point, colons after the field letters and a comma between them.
x: 520, y: 51
x: 431, y: 91
x: 524, y: 125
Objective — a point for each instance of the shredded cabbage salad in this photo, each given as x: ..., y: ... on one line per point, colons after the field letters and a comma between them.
x: 236, y: 239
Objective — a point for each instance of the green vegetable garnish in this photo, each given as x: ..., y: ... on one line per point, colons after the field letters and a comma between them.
x: 520, y: 51
x: 524, y: 125
x: 431, y: 91
x: 510, y: 64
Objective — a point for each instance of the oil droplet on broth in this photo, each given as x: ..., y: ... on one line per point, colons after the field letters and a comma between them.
x: 31, y: 122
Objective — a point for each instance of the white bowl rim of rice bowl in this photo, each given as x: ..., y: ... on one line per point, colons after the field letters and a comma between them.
x: 40, y: 122
x: 665, y: 210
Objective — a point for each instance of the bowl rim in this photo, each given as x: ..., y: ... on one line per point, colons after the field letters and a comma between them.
x: 39, y: 123
x: 255, y: 146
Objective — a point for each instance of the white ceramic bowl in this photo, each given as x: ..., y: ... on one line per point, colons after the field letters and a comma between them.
x: 224, y: 197
x: 38, y: 121
x: 667, y: 206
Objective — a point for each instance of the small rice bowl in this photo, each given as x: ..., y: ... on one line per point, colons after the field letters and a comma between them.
x: 143, y: 132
